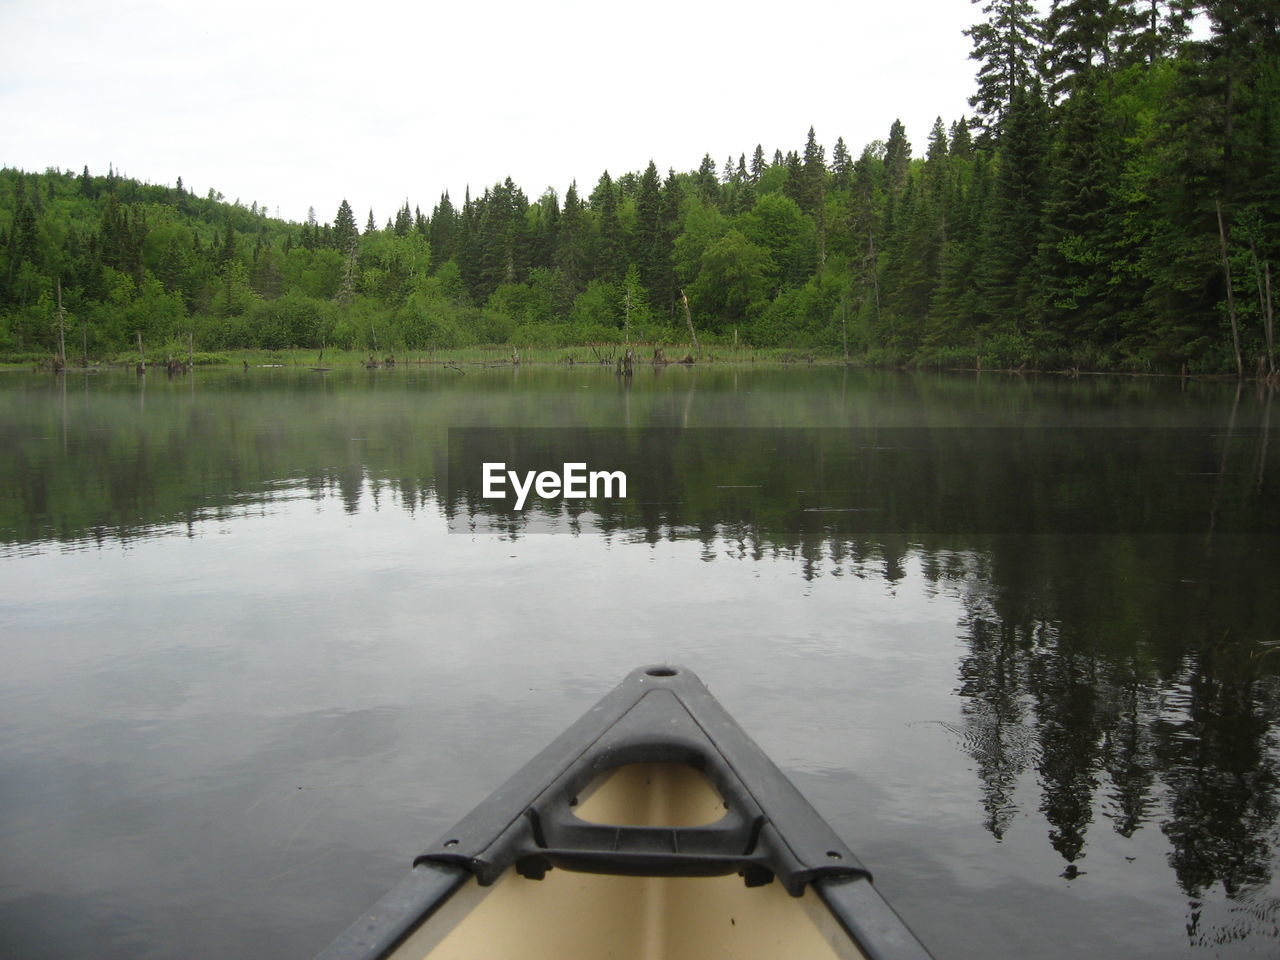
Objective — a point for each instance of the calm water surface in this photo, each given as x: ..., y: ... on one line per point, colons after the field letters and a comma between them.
x: 249, y: 671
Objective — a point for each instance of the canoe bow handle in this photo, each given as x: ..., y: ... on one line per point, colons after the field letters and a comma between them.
x: 657, y: 715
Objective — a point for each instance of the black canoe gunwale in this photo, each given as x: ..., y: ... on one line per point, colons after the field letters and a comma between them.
x: 658, y: 714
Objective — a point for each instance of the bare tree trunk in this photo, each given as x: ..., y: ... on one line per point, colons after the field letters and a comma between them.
x: 1264, y: 303
x: 875, y: 272
x: 820, y: 233
x: 626, y: 317
x: 1231, y: 297
x: 844, y: 326
x: 1270, y: 318
x: 62, y: 333
x: 688, y: 319
x: 348, y: 274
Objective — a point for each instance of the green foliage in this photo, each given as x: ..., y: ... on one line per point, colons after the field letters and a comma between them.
x: 1074, y: 222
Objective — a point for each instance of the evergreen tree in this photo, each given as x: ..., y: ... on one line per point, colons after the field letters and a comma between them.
x: 665, y: 287
x: 897, y: 157
x: 647, y: 245
x: 545, y: 231
x: 841, y: 165
x: 1007, y: 44
x: 961, y: 140
x: 441, y: 231
x: 812, y: 191
x: 404, y: 221
x: 1155, y: 28
x: 344, y: 228
x: 572, y: 257
x: 1080, y: 35
x: 227, y: 251
x: 794, y: 185
x: 707, y: 185
x: 610, y: 246
x: 1011, y: 228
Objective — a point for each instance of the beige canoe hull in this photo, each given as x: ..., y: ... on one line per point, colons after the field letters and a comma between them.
x: 586, y: 916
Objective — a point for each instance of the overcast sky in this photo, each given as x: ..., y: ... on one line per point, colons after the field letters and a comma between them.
x: 294, y: 105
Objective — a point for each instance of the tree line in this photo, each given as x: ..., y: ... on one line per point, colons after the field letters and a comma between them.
x: 1112, y: 203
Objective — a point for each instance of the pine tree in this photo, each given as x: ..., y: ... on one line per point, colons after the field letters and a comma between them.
x: 310, y: 230
x: 571, y: 249
x: 610, y: 246
x: 441, y: 235
x: 227, y: 252
x: 794, y: 185
x: 1011, y: 228
x: 841, y: 165
x: 1155, y: 28
x: 545, y: 232
x: 404, y: 221
x: 708, y: 186
x: 646, y: 248
x: 1007, y: 43
x: 501, y: 241
x: 344, y: 228
x: 897, y: 157
x: 744, y: 186
x: 1079, y: 36
x: 961, y: 140
x: 813, y: 175
x: 665, y: 287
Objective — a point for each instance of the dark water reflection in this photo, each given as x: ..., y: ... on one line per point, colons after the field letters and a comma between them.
x: 249, y: 663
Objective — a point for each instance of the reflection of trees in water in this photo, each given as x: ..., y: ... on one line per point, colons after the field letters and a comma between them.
x: 1216, y: 747
x: 1121, y: 670
x: 993, y: 683
x: 1141, y: 668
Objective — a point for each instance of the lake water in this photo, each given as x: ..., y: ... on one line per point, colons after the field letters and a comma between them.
x: 1013, y: 637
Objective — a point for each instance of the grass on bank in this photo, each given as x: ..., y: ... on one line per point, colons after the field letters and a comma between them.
x: 486, y: 355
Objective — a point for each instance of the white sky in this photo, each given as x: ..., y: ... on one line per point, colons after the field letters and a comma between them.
x: 301, y: 104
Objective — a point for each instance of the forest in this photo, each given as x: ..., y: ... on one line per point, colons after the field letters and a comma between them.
x: 1112, y: 203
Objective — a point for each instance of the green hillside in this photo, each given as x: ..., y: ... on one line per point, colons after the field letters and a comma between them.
x: 1114, y: 203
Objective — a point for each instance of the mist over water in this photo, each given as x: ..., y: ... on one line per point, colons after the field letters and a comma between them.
x: 249, y: 671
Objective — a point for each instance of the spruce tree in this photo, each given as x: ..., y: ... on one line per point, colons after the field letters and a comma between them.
x: 1007, y: 44
x: 813, y: 175
x: 571, y: 247
x: 708, y: 186
x: 1079, y: 36
x: 441, y: 232
x: 665, y: 286
x: 404, y: 221
x: 646, y: 246
x: 1011, y: 227
x: 897, y: 157
x: 610, y: 247
x: 344, y: 228
x: 841, y: 165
